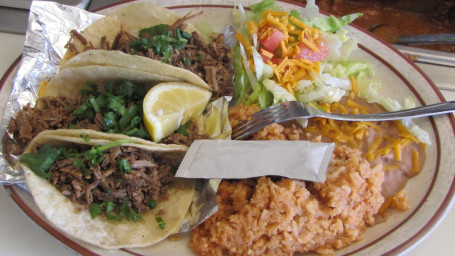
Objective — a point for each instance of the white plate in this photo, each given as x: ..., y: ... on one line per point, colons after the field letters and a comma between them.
x: 431, y: 192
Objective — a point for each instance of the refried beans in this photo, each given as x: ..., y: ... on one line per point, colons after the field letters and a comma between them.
x: 280, y: 216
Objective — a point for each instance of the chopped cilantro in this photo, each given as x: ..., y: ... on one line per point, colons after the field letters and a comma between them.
x: 85, y: 111
x: 110, y: 121
x: 186, y: 61
x: 120, y: 106
x: 93, y: 89
x: 95, y: 210
x: 41, y: 162
x: 154, y: 30
x: 151, y: 203
x: 126, y: 119
x: 81, y: 165
x: 96, y: 155
x: 117, y: 104
x: 86, y: 139
x: 94, y: 104
x: 109, y: 206
x: 160, y: 40
x: 126, y: 211
x: 183, y: 128
x: 161, y: 222
x: 124, y: 166
x: 115, y: 212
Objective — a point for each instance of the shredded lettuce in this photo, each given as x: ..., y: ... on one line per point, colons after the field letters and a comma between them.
x: 261, y: 96
x: 341, y: 83
x: 323, y: 93
x: 279, y: 93
x: 418, y: 132
x: 345, y: 69
x: 248, y: 71
x: 368, y: 88
x: 242, y: 86
x: 310, y: 11
x: 238, y: 16
x: 312, y: 17
x: 331, y: 23
x: 261, y: 69
x: 340, y: 46
x: 393, y: 105
x: 247, y: 89
x: 329, y: 85
x: 260, y: 7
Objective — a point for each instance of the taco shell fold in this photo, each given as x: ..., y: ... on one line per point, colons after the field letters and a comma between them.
x: 69, y: 81
x: 119, y: 59
x: 63, y: 214
x: 131, y: 18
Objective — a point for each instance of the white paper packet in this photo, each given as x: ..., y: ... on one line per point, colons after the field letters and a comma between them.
x: 235, y: 159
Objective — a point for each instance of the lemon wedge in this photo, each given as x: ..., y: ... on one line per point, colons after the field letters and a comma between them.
x: 167, y: 106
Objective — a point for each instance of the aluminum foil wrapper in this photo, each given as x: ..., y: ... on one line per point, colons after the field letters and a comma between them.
x: 48, y: 31
x: 47, y: 34
x: 203, y: 205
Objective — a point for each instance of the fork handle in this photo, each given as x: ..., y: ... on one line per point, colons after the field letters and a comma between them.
x: 430, y: 110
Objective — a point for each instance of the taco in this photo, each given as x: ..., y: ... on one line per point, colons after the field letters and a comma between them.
x: 113, y: 194
x: 153, y: 39
x: 91, y: 101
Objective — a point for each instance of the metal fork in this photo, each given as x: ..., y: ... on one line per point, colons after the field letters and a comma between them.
x: 291, y: 110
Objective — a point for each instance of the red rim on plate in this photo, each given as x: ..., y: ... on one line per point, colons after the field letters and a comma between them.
x: 434, y: 219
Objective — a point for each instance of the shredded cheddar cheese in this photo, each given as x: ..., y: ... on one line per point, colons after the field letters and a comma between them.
x: 246, y: 44
x: 266, y: 53
x: 355, y: 134
x: 386, y: 204
x: 251, y: 27
x: 292, y: 49
x: 355, y: 90
x: 288, y: 69
x: 415, y: 161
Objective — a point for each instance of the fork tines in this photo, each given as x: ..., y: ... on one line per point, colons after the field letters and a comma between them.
x: 259, y: 120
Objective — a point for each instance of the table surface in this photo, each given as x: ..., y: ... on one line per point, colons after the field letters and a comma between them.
x: 19, y: 235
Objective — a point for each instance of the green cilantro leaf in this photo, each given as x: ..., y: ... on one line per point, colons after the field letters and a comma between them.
x: 161, y: 222
x: 183, y: 128
x: 151, y: 203
x: 41, y: 162
x: 126, y: 211
x: 81, y: 165
x: 96, y: 153
x: 109, y: 207
x: 124, y: 166
x: 86, y: 139
x: 95, y: 210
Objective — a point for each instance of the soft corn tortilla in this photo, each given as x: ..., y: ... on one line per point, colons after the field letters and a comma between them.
x: 119, y: 59
x: 89, y: 135
x: 63, y: 214
x: 69, y: 81
x: 132, y: 18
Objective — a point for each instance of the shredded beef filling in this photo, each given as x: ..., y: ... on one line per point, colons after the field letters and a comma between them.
x: 52, y: 114
x: 148, y: 180
x: 193, y: 133
x: 210, y: 61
